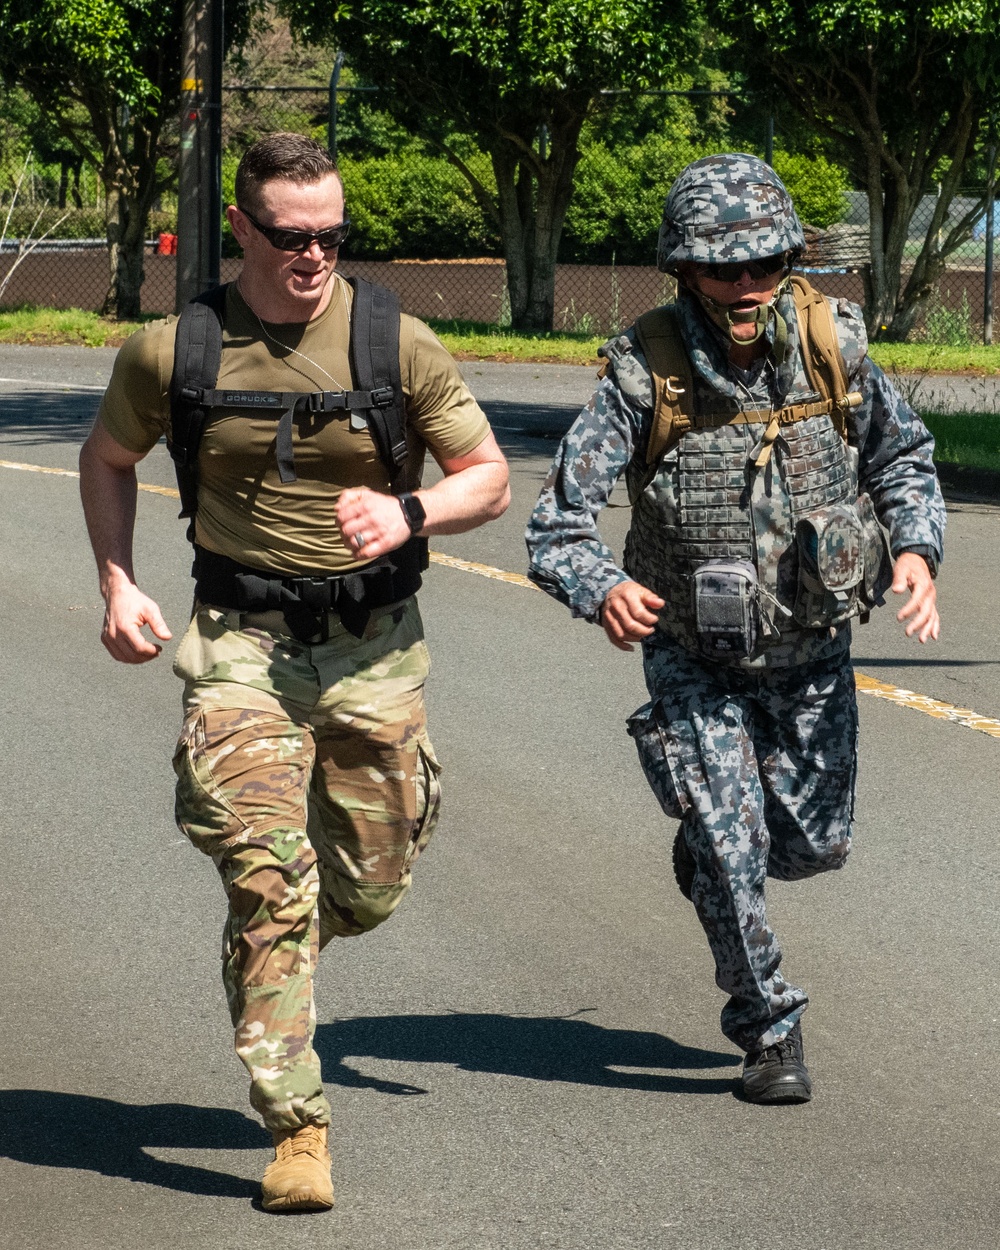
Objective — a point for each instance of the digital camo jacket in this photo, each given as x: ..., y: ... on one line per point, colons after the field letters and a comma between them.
x: 707, y: 498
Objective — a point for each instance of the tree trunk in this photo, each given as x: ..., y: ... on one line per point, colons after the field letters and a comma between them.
x: 533, y: 193
x: 126, y: 228
x: 889, y: 213
x: 130, y: 184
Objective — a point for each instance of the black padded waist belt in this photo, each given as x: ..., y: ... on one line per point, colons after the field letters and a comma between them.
x: 306, y: 599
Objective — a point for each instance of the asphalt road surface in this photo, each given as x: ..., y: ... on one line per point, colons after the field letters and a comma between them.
x: 528, y: 1055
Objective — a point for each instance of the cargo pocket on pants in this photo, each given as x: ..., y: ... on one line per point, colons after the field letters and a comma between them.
x: 428, y: 804
x: 203, y: 812
x: 660, y: 757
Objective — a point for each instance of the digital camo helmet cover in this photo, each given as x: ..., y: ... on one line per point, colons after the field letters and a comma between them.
x: 727, y: 208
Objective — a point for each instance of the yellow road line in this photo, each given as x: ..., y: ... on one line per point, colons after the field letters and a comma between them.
x: 169, y: 491
x: 484, y: 570
x: 865, y: 684
x: 931, y: 707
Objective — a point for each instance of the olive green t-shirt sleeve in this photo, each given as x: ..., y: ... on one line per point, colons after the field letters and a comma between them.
x: 135, y: 409
x: 439, y: 405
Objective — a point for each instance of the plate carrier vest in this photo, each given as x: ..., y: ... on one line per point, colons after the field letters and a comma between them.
x: 713, y: 520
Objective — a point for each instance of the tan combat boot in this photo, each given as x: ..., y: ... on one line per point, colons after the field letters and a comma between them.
x: 298, y: 1179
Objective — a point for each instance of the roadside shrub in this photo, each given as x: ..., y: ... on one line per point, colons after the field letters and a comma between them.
x: 80, y: 223
x: 617, y: 202
x: 949, y: 327
x: 415, y: 206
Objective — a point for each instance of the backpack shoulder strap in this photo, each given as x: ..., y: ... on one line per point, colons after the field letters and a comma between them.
x: 659, y: 335
x: 374, y: 355
x: 821, y: 354
x: 197, y: 356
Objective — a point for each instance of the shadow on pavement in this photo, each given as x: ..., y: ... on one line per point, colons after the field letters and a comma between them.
x: 520, y: 419
x: 536, y: 1048
x: 46, y: 416
x: 95, y: 1134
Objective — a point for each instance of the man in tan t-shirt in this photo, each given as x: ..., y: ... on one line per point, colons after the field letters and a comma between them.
x: 281, y: 703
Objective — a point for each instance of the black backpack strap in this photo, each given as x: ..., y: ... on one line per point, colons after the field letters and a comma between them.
x: 375, y: 368
x: 197, y: 356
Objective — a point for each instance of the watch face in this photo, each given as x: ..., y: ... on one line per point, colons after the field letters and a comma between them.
x: 414, y: 512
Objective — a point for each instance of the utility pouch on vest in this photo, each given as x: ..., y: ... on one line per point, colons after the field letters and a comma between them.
x: 727, y: 608
x: 830, y: 546
x: 877, y: 556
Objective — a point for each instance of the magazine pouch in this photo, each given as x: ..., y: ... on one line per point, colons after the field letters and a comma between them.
x: 830, y: 544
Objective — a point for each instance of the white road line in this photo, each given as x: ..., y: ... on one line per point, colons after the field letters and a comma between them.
x: 52, y: 386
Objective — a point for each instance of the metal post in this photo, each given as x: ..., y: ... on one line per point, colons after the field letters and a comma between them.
x: 199, y: 225
x: 213, y: 120
x: 991, y: 173
x: 331, y: 129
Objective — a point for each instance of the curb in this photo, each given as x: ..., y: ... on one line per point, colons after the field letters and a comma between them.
x: 965, y: 480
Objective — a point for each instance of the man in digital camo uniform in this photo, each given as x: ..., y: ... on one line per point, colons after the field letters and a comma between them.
x: 753, y: 543
x: 278, y: 711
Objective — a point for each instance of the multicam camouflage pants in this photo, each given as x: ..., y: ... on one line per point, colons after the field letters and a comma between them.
x: 271, y: 726
x: 759, y: 767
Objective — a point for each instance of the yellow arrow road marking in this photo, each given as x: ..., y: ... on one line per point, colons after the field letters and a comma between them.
x: 865, y: 684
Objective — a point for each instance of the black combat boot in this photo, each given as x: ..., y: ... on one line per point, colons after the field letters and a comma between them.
x: 777, y: 1073
x: 683, y: 864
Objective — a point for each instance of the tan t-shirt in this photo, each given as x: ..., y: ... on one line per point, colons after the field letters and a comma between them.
x: 244, y: 510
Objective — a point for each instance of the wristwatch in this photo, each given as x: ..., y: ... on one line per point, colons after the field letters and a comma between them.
x: 413, y: 510
x: 929, y: 554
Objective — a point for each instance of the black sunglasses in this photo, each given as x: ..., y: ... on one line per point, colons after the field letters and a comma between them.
x: 732, y: 271
x: 300, y: 240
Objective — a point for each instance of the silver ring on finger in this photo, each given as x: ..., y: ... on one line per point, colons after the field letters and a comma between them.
x: 359, y: 540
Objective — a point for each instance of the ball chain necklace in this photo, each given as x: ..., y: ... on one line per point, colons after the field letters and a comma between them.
x: 294, y: 351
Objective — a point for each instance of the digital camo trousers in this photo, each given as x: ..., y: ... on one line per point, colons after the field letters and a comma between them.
x: 274, y: 727
x: 760, y: 768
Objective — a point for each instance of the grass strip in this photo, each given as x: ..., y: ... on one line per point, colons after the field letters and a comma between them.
x: 473, y: 340
x: 50, y: 327
x: 934, y: 358
x: 969, y: 438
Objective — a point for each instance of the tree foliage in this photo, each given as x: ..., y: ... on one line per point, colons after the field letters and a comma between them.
x: 522, y: 78
x: 901, y: 88
x: 106, y: 74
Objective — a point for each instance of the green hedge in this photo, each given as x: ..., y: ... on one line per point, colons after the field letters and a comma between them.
x: 80, y: 223
x: 414, y: 205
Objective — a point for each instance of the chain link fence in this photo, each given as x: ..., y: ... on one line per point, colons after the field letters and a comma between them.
x: 418, y: 229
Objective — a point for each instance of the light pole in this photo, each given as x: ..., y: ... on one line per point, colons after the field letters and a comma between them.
x: 199, y: 196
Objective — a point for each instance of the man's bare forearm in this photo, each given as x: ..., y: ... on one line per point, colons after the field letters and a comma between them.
x: 109, y: 496
x: 461, y: 501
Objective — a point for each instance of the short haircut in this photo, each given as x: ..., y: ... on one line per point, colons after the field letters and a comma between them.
x: 281, y: 157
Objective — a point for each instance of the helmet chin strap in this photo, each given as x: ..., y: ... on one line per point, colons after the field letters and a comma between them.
x: 727, y: 318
